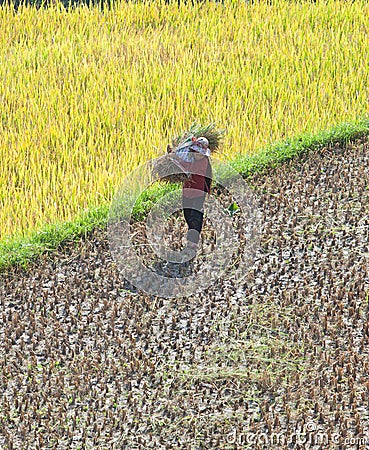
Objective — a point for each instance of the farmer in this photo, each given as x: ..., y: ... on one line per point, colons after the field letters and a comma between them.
x: 195, y: 160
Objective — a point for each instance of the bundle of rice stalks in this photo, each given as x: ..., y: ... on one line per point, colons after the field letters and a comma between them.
x: 168, y: 168
x: 214, y: 136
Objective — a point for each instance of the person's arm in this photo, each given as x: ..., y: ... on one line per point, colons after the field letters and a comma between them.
x: 208, y: 178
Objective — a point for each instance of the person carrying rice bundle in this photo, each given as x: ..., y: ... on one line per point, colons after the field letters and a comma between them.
x: 194, y: 160
x: 188, y: 162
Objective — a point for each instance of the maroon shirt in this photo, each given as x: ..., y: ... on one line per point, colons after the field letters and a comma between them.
x: 196, y: 185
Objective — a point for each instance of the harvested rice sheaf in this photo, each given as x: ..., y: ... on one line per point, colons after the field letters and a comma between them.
x: 210, y: 132
x: 168, y: 168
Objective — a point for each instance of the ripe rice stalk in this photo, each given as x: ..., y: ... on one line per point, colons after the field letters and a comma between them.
x: 87, y: 95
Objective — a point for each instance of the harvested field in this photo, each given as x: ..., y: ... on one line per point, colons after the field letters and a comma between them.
x: 87, y: 363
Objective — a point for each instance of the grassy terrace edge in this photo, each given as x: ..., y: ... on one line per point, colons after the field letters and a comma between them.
x: 18, y: 251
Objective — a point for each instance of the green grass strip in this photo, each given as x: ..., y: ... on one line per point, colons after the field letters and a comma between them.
x: 21, y: 250
x: 281, y: 152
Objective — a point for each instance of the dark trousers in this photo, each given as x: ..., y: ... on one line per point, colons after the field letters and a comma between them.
x: 193, y: 210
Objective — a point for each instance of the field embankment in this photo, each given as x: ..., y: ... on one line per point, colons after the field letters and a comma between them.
x: 87, y: 363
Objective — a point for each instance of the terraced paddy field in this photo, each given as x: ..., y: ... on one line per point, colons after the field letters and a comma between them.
x: 278, y: 361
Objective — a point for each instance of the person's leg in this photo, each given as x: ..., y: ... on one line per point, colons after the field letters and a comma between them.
x: 195, y: 226
x: 193, y: 212
x: 187, y: 212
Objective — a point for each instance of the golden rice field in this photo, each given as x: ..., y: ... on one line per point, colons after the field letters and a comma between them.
x: 87, y: 95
